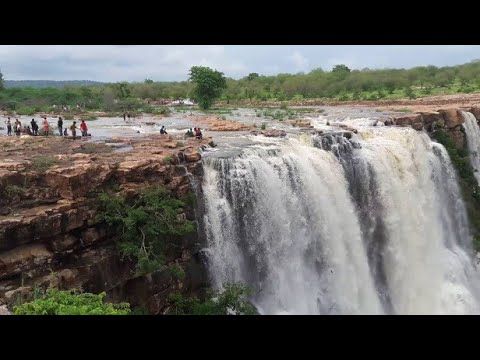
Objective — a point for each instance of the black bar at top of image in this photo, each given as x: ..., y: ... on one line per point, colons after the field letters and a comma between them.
x: 278, y: 37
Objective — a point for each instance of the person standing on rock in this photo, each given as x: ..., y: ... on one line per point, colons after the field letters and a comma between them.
x: 73, y: 129
x: 60, y: 125
x: 18, y: 127
x: 46, y: 126
x: 84, y: 128
x: 9, y: 127
x: 34, y: 127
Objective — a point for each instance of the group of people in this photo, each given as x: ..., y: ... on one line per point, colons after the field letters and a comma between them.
x: 33, y: 128
x: 195, y: 133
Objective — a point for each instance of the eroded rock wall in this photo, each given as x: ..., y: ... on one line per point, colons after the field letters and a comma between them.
x: 50, y: 234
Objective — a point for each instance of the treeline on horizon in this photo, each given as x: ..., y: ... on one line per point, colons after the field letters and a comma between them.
x: 340, y: 83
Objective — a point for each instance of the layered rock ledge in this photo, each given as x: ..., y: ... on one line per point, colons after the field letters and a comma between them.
x: 449, y: 119
x: 49, y: 235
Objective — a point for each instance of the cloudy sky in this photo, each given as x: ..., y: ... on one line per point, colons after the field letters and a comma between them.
x: 167, y: 63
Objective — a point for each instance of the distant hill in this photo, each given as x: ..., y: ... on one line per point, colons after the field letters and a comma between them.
x: 49, y: 83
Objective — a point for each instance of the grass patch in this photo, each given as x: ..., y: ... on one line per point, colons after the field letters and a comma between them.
x: 43, y: 163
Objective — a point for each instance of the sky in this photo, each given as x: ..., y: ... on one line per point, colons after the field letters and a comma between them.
x: 111, y: 63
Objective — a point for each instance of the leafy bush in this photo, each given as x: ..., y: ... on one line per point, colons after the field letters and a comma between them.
x: 145, y: 224
x: 56, y: 302
x: 25, y: 110
x: 11, y: 191
x: 177, y: 271
x: 232, y: 300
x: 162, y: 110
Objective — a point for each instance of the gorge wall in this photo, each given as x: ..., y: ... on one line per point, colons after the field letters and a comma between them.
x: 49, y: 234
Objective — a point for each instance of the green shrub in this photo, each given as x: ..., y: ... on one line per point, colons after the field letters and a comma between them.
x: 232, y: 300
x: 56, y: 302
x: 11, y: 191
x: 177, y: 272
x: 162, y: 110
x: 25, y: 110
x: 264, y: 126
x: 144, y: 224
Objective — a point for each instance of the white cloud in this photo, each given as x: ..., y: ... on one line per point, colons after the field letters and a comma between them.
x: 167, y: 63
x: 300, y: 62
x: 113, y: 63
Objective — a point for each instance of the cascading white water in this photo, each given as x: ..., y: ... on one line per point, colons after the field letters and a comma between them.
x: 472, y: 131
x: 370, y: 226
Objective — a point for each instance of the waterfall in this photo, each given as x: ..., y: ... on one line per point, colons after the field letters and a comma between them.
x: 368, y: 225
x: 472, y: 131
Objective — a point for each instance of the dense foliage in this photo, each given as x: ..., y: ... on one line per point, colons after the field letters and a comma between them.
x: 56, y: 302
x: 1, y: 81
x: 208, y: 85
x: 341, y: 83
x: 144, y: 224
x: 232, y: 300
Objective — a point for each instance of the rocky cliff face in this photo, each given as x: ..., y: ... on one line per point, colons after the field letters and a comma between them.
x: 49, y: 232
x: 450, y: 120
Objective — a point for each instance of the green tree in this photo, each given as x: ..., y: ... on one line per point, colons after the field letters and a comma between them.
x: 122, y: 90
x: 148, y: 81
x: 209, y: 85
x: 252, y: 76
x: 341, y: 68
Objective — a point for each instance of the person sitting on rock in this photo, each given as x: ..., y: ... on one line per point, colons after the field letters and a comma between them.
x: 189, y: 133
x: 198, y: 133
x: 163, y: 130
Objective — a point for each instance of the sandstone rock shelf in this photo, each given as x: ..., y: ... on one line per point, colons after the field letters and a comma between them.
x: 49, y: 233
